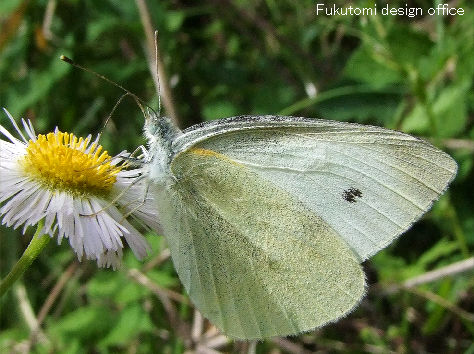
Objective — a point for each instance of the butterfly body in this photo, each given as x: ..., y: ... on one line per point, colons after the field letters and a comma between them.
x: 160, y: 133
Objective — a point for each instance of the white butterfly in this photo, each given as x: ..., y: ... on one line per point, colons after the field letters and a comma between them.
x: 268, y: 218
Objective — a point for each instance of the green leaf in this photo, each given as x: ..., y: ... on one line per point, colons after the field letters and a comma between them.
x: 219, y: 109
x: 440, y: 250
x: 367, y: 67
x: 437, y: 312
x: 407, y: 45
x: 174, y: 20
x: 87, y: 321
x: 163, y: 278
x: 36, y: 86
x: 271, y: 97
x: 389, y: 267
x: 449, y: 110
x: 105, y: 283
x: 363, y: 107
x: 130, y: 292
x: 9, y: 337
x: 132, y: 321
x: 417, y: 121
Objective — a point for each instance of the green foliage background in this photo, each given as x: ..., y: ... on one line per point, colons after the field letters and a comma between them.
x: 232, y: 57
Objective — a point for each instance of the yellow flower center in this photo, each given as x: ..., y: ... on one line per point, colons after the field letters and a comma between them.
x: 59, y: 161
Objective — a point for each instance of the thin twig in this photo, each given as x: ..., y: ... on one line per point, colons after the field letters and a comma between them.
x: 10, y: 25
x: 50, y: 300
x: 252, y: 349
x: 461, y: 144
x: 166, y: 94
x: 28, y: 313
x: 410, y: 285
x: 441, y: 301
x: 216, y: 342
x: 48, y: 19
x: 144, y: 280
x: 289, y: 346
x: 165, y: 295
x: 159, y: 259
x: 206, y: 343
x: 211, y: 332
x: 452, y: 269
x: 68, y: 273
x: 202, y: 349
x: 428, y: 277
x: 198, y: 324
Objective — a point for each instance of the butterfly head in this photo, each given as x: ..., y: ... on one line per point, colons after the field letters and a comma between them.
x: 160, y: 133
x: 158, y: 129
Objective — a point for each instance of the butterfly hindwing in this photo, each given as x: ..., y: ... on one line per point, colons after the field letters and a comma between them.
x: 253, y: 258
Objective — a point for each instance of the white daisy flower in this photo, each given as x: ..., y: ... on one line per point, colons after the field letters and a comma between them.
x: 81, y: 192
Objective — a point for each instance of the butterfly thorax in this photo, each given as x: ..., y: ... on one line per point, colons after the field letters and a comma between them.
x: 160, y: 133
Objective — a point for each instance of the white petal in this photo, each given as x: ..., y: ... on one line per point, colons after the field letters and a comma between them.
x: 15, y: 125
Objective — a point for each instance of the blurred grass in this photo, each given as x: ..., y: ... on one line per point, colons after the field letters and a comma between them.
x: 229, y: 57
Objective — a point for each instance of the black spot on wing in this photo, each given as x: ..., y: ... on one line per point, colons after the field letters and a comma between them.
x: 352, y: 194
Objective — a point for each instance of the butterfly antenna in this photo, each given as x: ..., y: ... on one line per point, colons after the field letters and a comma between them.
x: 157, y: 73
x: 109, y: 117
x: 137, y: 99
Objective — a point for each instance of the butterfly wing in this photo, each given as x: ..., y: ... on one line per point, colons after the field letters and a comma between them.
x: 369, y: 184
x: 254, y: 260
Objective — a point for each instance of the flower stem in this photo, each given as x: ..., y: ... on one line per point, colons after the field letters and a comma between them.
x: 35, y: 247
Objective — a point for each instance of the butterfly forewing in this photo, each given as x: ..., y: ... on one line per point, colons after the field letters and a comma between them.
x: 368, y: 183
